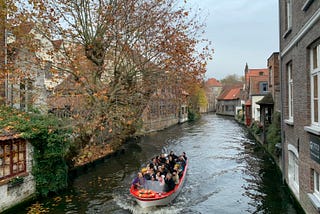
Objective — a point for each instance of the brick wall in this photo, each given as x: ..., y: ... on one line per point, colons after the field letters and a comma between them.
x: 295, y: 134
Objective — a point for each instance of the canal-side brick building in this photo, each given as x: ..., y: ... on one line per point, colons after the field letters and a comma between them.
x: 300, y: 84
x: 255, y: 88
x: 274, y: 80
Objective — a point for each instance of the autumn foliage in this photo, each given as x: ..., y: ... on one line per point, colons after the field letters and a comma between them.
x: 105, y: 58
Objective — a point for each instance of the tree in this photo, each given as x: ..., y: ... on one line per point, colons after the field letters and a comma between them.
x: 232, y: 79
x: 114, y: 55
x: 198, y: 98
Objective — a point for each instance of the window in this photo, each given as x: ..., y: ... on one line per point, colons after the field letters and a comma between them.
x: 12, y: 158
x: 263, y: 87
x: 290, y: 91
x: 316, y: 184
x: 26, y: 87
x: 314, y: 73
x: 288, y: 12
x: 270, y: 75
x: 293, y: 171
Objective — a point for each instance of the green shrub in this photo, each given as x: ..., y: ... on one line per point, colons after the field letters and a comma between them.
x: 256, y: 128
x: 193, y: 115
x: 51, y: 142
x: 274, y: 132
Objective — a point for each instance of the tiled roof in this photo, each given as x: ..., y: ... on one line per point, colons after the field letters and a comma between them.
x: 230, y: 93
x: 5, y: 135
x: 212, y: 82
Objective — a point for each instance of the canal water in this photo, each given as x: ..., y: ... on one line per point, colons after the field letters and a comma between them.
x: 228, y: 173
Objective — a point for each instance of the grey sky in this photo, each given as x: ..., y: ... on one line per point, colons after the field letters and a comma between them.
x: 241, y: 31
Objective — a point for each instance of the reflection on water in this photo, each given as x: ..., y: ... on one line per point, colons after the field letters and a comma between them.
x: 228, y: 173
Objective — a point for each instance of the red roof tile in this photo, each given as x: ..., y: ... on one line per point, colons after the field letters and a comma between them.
x: 230, y: 94
x: 212, y: 82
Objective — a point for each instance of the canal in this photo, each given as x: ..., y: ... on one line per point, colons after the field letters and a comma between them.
x: 228, y: 173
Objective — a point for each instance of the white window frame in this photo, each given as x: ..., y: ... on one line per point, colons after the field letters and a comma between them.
x: 289, y: 14
x: 315, y: 71
x: 316, y: 184
x: 293, y: 171
x: 290, y: 91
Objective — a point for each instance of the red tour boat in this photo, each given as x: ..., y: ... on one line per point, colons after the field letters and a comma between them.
x: 149, y: 197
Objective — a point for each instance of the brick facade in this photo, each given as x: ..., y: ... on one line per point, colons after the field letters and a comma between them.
x: 274, y: 80
x: 295, y: 41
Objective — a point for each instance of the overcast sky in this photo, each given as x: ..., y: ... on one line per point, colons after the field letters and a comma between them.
x: 242, y: 31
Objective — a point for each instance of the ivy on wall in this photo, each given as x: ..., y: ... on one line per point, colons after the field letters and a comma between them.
x: 51, y: 143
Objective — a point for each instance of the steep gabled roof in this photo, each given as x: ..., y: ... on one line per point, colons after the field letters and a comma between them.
x: 230, y: 93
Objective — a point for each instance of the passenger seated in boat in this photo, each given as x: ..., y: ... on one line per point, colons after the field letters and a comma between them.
x: 175, y: 177
x: 178, y: 169
x: 160, y: 178
x: 163, y: 170
x: 152, y: 172
x: 181, y: 162
x: 184, y: 156
x: 169, y: 182
x: 155, y: 162
x: 139, y: 181
x: 162, y: 158
x: 174, y: 157
x: 168, y: 165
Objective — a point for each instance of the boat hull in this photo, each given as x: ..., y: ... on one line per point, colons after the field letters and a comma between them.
x: 160, y: 200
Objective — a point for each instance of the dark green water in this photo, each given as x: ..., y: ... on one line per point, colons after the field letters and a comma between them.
x: 228, y: 173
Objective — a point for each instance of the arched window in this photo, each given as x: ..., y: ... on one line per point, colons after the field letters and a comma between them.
x: 293, y: 170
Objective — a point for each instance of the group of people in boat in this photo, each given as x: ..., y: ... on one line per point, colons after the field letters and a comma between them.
x: 162, y: 174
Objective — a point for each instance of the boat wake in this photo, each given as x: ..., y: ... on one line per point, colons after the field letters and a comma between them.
x: 128, y: 203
